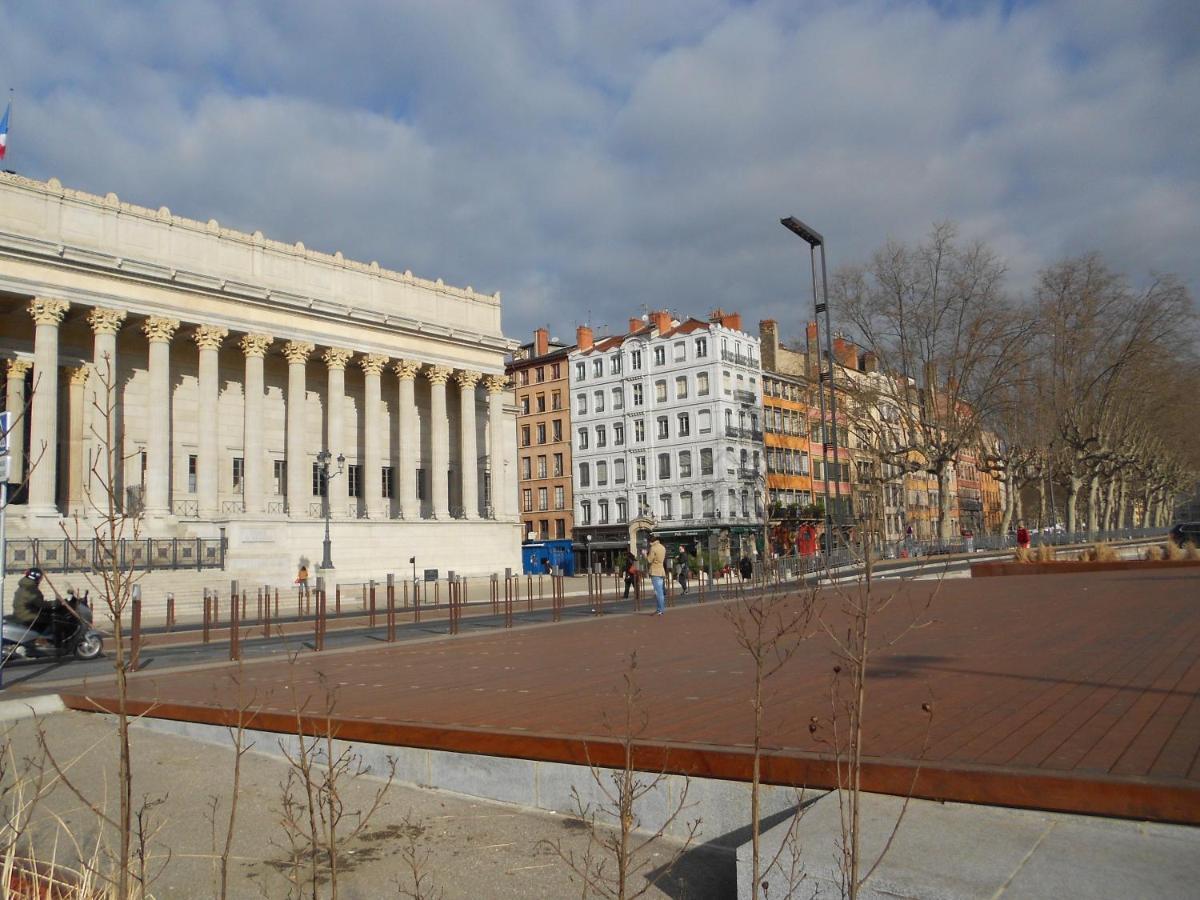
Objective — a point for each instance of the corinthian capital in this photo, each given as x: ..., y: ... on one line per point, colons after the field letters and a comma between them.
x: 297, y: 352
x: 104, y: 320
x: 495, y: 384
x: 437, y: 374
x: 336, y: 357
x: 255, y: 344
x: 18, y: 367
x: 80, y: 374
x: 467, y: 380
x: 48, y: 311
x: 372, y: 363
x: 160, y: 329
x: 406, y: 370
x: 209, y: 337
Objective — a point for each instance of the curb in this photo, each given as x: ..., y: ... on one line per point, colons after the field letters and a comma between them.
x: 28, y: 707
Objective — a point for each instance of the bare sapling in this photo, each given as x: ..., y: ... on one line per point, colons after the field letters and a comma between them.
x: 624, y: 844
x: 417, y: 882
x: 769, y: 625
x: 241, y: 746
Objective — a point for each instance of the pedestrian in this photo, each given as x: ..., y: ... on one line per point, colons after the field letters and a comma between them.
x: 683, y: 571
x: 745, y: 568
x: 631, y: 573
x: 658, y: 572
x: 302, y: 579
x: 1023, y: 537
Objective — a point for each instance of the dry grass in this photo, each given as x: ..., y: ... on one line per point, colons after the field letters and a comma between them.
x: 1099, y: 553
x: 1045, y: 553
x: 1023, y: 555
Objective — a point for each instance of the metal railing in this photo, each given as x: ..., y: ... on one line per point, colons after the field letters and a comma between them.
x: 67, y: 555
x: 276, y: 507
x: 234, y: 507
x: 186, y: 509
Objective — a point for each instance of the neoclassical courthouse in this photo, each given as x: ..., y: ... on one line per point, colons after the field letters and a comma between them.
x: 230, y: 361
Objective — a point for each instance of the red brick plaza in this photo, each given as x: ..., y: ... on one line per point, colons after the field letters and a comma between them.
x: 1070, y: 692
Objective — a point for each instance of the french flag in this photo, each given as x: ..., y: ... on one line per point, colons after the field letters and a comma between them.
x: 4, y: 130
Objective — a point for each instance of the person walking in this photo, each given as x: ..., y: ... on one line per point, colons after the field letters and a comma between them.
x: 302, y: 580
x: 683, y: 571
x: 658, y: 572
x: 1023, y: 537
x: 631, y: 573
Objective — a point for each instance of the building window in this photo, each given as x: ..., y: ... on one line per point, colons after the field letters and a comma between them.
x: 560, y: 529
x: 705, y: 421
x: 238, y: 469
x: 598, y: 368
x: 601, y: 436
x: 727, y: 382
x: 664, y: 466
x: 556, y: 370
x: 702, y: 384
x: 618, y: 398
x: 556, y: 400
x: 527, y: 500
x: 602, y: 512
x: 583, y: 438
x: 685, y: 427
x: 601, y: 474
x: 389, y: 482
x: 526, y: 468
x: 320, y: 484
x: 643, y: 501
x: 618, y: 471
x: 422, y: 494
x: 618, y: 434
x: 279, y: 475
x: 639, y: 468
x: 525, y: 405
x: 733, y: 504
x: 541, y: 467
x: 685, y: 505
x: 639, y: 431
x: 543, y: 498
x: 524, y: 435
x: 708, y: 504
x: 706, y: 461
x: 660, y: 356
x: 664, y: 506
x: 540, y: 374
x: 681, y: 387
x: 191, y: 473
x: 541, y: 403
x: 544, y: 529
x: 635, y: 360
x: 580, y: 371
x: 622, y: 509
x: 685, y: 464
x: 354, y: 481
x: 541, y: 432
x: 558, y: 465
x: 598, y: 399
x: 701, y: 347
x: 585, y: 512
x: 559, y: 497
x: 746, y: 504
x: 660, y: 391
x: 664, y: 428
x: 581, y: 404
x: 638, y: 398
x: 556, y: 430
x: 614, y: 365
x: 680, y: 351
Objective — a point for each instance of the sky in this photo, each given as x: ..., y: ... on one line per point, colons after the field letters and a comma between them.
x: 594, y: 160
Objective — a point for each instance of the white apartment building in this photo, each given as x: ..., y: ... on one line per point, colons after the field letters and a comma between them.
x: 666, y: 434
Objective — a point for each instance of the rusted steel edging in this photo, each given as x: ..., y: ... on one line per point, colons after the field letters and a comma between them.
x: 1073, y: 567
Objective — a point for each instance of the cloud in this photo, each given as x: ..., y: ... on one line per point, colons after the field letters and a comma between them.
x: 589, y: 160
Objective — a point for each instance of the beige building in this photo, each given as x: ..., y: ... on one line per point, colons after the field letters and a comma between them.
x: 230, y: 361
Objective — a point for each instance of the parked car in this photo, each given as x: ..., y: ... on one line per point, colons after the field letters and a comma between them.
x: 1186, y: 533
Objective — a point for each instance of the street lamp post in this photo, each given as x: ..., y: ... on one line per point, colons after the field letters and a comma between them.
x: 813, y: 238
x: 324, y: 458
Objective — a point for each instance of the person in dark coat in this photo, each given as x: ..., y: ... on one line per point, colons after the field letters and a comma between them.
x: 630, y: 568
x: 746, y: 568
x: 30, y: 607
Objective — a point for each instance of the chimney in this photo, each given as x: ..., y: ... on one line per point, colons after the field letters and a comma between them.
x: 768, y: 337
x: 661, y: 319
x: 732, y: 321
x: 541, y: 341
x: 583, y: 337
x: 870, y: 362
x: 635, y: 323
x: 845, y: 353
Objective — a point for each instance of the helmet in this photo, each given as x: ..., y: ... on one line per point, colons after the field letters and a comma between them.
x: 34, y: 573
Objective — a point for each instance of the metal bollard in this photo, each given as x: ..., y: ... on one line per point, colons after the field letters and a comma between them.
x: 170, y: 612
x: 135, y: 640
x: 207, y: 615
x: 337, y: 599
x: 277, y: 603
x: 266, y: 619
x: 371, y: 590
x: 417, y: 602
x: 235, y: 652
x: 319, y: 618
x: 391, y: 607
x: 258, y: 605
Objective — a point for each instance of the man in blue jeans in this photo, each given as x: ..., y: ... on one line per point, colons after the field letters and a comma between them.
x: 657, y: 558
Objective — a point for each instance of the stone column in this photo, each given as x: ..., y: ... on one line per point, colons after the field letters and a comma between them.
x: 335, y: 423
x: 208, y: 339
x: 297, y: 353
x: 440, y: 464
x: 407, y: 439
x: 47, y: 315
x: 254, y: 346
x: 372, y: 467
x: 100, y: 420
x: 496, y: 386
x: 15, y: 403
x: 159, y: 330
x: 468, y: 450
x: 76, y: 473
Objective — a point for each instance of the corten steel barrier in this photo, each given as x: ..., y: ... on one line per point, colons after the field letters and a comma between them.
x: 337, y: 599
x: 170, y: 611
x: 266, y: 617
x: 494, y: 593
x: 437, y: 594
x: 453, y: 589
x: 417, y: 602
x: 371, y: 600
x: 319, y: 618
x: 391, y: 608
x: 258, y: 606
x: 243, y: 617
x: 235, y: 651
x: 405, y: 600
x: 508, y: 599
x: 541, y: 592
x: 207, y: 615
x: 135, y: 640
x: 558, y: 591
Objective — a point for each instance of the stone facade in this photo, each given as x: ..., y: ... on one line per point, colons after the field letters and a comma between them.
x: 222, y: 363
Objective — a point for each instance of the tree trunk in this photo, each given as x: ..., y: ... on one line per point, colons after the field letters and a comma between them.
x: 1011, y: 497
x: 1073, y: 502
x: 1093, y: 504
x: 1041, y: 503
x: 1122, y: 501
x: 1148, y: 509
x: 943, y: 477
x: 1110, y: 507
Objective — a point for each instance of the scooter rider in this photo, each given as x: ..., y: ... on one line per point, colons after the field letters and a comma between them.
x: 30, y: 607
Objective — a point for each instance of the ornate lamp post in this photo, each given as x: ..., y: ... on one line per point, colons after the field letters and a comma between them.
x: 324, y: 458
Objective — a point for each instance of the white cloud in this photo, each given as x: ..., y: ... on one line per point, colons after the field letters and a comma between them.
x: 605, y: 157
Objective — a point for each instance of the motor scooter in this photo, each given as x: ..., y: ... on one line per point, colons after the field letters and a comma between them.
x: 71, y: 632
